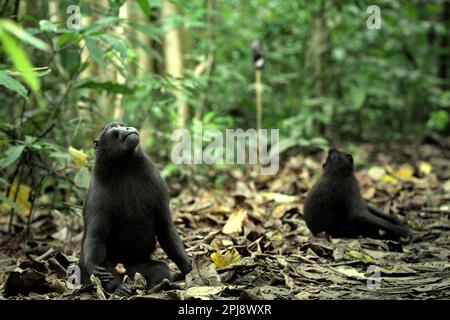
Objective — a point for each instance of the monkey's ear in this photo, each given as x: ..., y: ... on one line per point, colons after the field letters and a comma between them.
x: 95, y: 143
x: 349, y: 157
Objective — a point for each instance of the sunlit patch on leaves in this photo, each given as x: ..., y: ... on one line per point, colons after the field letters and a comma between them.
x: 22, y: 200
x: 229, y: 257
x: 78, y: 156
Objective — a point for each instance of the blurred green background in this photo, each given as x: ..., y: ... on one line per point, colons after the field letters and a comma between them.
x: 158, y: 65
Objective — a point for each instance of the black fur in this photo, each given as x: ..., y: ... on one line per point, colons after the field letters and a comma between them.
x: 335, y: 205
x: 126, y: 209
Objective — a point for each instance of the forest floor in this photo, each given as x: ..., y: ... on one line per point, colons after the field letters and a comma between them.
x: 248, y: 238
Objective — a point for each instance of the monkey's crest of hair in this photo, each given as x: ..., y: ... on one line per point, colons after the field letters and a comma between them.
x: 338, y: 162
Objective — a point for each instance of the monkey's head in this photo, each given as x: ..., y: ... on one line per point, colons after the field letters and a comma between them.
x: 338, y: 161
x: 117, y: 140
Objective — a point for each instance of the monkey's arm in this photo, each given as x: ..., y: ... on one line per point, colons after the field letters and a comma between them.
x: 94, y: 252
x: 170, y: 241
x: 94, y: 249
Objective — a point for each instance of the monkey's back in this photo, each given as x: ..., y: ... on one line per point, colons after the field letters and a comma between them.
x: 328, y: 204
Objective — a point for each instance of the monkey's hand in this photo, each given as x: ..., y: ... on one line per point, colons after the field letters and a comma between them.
x: 124, y: 290
x: 102, y: 274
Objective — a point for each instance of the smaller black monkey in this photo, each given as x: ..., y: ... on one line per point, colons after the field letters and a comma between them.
x: 126, y: 209
x: 335, y: 205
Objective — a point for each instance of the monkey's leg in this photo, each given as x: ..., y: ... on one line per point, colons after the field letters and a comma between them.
x: 170, y: 241
x: 112, y: 280
x: 393, y: 230
x: 383, y: 215
x: 369, y: 226
x: 156, y: 273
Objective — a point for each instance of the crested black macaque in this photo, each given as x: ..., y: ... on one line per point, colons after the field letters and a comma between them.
x: 126, y: 209
x: 334, y: 205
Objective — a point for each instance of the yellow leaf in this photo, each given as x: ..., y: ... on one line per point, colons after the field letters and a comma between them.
x: 405, y: 172
x: 224, y: 260
x: 78, y: 156
x: 425, y: 167
x: 359, y: 256
x: 235, y: 221
x: 388, y: 179
x: 22, y: 201
x: 376, y: 173
x: 278, y: 197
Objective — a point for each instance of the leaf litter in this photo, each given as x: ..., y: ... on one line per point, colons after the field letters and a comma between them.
x: 248, y: 240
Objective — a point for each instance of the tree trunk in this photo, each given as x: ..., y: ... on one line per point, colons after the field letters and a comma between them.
x: 173, y: 59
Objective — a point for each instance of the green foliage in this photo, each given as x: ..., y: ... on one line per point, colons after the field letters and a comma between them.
x: 12, y: 84
x: 326, y: 78
x: 438, y: 120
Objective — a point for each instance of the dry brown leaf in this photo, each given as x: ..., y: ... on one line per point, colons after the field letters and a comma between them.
x: 278, y: 197
x: 98, y: 287
x: 235, y: 222
x: 369, y: 193
x: 204, y: 292
x: 279, y: 211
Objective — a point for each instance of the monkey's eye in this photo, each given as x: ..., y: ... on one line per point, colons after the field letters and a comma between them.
x: 349, y: 157
x: 115, y: 134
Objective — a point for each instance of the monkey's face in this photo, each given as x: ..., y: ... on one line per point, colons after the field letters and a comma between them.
x: 338, y: 161
x: 116, y: 139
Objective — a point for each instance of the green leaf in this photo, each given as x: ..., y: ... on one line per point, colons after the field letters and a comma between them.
x: 357, y: 97
x: 20, y: 60
x: 65, y: 38
x: 11, y: 155
x: 99, y: 24
x: 150, y: 31
x: 9, y: 201
x: 145, y: 7
x: 108, y: 86
x: 117, y: 44
x: 82, y: 178
x: 21, y: 34
x: 95, y: 50
x: 12, y: 84
x: 47, y: 26
x: 439, y: 120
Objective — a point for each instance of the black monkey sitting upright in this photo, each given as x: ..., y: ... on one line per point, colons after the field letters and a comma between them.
x: 335, y: 205
x: 126, y: 209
